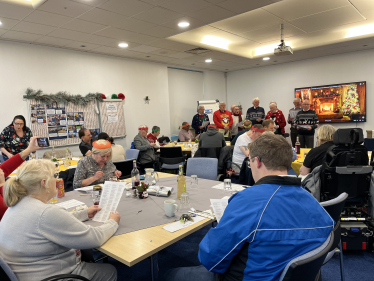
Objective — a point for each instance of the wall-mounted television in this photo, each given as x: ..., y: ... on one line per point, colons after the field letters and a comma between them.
x: 337, y: 103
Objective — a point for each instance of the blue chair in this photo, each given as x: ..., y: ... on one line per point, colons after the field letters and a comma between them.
x: 132, y: 154
x: 1, y: 159
x: 174, y: 138
x: 205, y: 168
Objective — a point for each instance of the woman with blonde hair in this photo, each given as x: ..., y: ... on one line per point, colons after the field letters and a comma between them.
x: 97, y: 167
x: 315, y: 156
x: 39, y: 240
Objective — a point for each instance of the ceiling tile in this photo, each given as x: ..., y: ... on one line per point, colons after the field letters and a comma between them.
x: 106, y: 50
x: 215, y: 1
x: 53, y: 41
x: 67, y: 34
x: 157, y: 58
x: 93, y: 3
x: 158, y: 15
x: 293, y: 9
x: 116, y: 20
x: 126, y: 7
x: 194, y: 23
x: 183, y: 7
x: 64, y: 7
x: 125, y: 35
x: 84, y: 26
x: 7, y: 23
x: 79, y: 45
x: 211, y: 14
x: 47, y: 18
x: 181, y: 55
x: 12, y: 11
x: 271, y: 33
x: 164, y: 52
x: 155, y: 2
x: 242, y: 6
x: 328, y: 19
x: 246, y: 22
x: 2, y: 31
x: 36, y: 28
x: 20, y: 36
x: 363, y: 5
x: 144, y: 49
x: 160, y: 31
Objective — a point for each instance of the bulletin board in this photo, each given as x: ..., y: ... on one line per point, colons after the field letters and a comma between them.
x: 52, y: 121
x: 112, y: 118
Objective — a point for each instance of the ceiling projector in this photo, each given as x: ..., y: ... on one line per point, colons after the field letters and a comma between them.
x: 282, y: 49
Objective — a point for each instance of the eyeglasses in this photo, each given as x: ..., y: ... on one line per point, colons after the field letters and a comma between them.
x: 19, y: 124
x: 253, y: 158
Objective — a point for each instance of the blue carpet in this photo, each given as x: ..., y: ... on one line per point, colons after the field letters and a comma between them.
x: 358, y: 264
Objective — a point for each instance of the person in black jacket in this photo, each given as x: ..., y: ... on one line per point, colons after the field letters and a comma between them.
x: 200, y: 121
x: 306, y: 122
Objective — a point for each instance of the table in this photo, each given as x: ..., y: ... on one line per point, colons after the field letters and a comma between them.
x: 185, y: 146
x: 296, y: 165
x: 62, y: 167
x: 133, y: 247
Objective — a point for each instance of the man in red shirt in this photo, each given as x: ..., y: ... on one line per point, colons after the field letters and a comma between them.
x: 223, y: 120
x: 10, y: 165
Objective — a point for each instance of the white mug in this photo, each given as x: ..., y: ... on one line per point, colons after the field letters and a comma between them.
x: 170, y: 207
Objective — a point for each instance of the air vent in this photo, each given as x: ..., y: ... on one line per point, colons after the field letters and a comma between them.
x: 198, y: 51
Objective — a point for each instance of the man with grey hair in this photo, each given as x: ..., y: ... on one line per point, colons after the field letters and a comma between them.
x: 223, y: 120
x: 256, y: 113
x: 291, y: 117
x: 200, y: 121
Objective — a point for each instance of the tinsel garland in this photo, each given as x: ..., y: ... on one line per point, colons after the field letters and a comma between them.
x: 61, y: 97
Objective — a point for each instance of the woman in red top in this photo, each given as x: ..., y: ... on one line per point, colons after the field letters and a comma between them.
x: 10, y: 165
x: 152, y: 137
x: 277, y: 116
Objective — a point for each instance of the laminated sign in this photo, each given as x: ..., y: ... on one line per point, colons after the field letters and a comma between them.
x: 111, y: 109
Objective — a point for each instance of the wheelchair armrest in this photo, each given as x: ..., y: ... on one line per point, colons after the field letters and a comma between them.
x: 354, y: 170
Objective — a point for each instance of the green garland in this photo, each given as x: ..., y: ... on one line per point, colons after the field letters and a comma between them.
x: 61, y: 97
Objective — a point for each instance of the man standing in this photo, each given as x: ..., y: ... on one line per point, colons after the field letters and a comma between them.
x: 264, y: 226
x: 85, y: 146
x: 241, y: 145
x: 306, y: 122
x: 256, y: 113
x: 291, y: 118
x: 223, y: 120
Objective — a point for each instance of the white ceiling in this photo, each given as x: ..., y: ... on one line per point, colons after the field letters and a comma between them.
x: 313, y: 28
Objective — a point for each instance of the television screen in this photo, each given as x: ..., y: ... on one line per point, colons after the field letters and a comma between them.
x: 336, y: 103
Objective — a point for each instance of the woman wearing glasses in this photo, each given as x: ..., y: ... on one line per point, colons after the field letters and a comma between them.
x: 15, y: 137
x: 39, y: 240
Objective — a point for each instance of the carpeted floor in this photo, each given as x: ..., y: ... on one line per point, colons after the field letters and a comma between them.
x: 358, y: 265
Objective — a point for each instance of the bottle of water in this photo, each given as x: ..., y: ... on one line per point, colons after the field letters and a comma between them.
x: 53, y: 152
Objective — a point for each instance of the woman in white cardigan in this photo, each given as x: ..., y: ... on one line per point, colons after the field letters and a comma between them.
x: 39, y: 240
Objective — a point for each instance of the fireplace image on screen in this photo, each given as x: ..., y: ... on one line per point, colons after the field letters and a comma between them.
x: 337, y: 103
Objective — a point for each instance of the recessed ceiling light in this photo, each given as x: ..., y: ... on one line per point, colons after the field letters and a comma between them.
x: 208, y: 60
x: 123, y: 45
x: 1, y: 23
x: 360, y: 30
x: 183, y: 24
x: 267, y: 58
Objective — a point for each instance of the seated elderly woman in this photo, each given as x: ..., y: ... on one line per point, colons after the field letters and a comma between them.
x: 315, y: 156
x: 39, y: 240
x: 147, y: 155
x: 97, y: 167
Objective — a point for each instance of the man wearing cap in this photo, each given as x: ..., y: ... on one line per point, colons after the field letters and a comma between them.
x: 247, y: 125
x: 223, y: 120
x: 147, y: 155
x: 152, y: 137
x: 97, y: 167
x: 212, y: 138
x: 241, y: 146
x: 185, y: 134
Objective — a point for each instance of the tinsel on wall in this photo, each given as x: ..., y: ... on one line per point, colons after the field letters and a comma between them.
x: 61, y: 97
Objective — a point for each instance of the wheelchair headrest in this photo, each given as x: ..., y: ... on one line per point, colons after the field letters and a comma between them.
x: 348, y: 136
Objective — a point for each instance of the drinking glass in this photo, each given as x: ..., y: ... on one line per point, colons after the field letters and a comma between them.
x: 66, y: 163
x: 227, y: 186
x: 129, y: 192
x: 113, y: 178
x: 194, y: 181
x: 175, y: 142
x: 95, y: 198
x: 185, y: 202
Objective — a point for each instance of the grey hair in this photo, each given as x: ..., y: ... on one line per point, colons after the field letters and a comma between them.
x: 200, y: 107
x: 256, y: 98
x: 222, y: 102
x: 274, y: 103
x: 298, y: 99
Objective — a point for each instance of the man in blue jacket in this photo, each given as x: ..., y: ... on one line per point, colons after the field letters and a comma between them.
x: 264, y: 226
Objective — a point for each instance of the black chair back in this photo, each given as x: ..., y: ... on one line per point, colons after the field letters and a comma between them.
x: 125, y: 166
x: 307, y: 267
x: 171, y: 152
x: 210, y: 152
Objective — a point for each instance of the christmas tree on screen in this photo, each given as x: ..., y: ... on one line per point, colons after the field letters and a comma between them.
x: 351, y: 104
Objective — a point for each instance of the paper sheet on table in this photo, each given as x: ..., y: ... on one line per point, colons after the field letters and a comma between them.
x: 86, y: 189
x: 235, y: 187
x: 219, y: 206
x: 75, y: 158
x: 70, y: 204
x: 72, y: 166
x: 110, y: 197
x: 205, y: 123
x: 173, y: 227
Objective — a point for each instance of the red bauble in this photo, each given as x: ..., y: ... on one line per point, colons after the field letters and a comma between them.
x: 121, y: 96
x: 103, y: 96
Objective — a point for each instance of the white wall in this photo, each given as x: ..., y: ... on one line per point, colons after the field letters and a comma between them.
x: 54, y: 69
x: 277, y: 83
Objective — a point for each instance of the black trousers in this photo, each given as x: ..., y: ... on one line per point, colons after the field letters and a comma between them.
x: 306, y: 141
x: 294, y: 134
